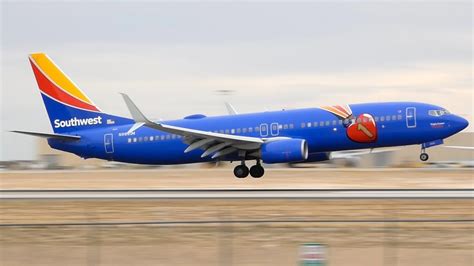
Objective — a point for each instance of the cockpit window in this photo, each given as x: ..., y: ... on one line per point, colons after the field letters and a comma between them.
x: 438, y: 112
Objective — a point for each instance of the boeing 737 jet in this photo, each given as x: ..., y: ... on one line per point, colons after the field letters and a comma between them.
x: 287, y: 136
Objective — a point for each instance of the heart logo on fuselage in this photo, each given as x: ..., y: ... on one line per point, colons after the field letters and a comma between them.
x: 363, y: 129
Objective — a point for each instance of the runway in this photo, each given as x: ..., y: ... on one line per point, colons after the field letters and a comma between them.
x: 242, y: 194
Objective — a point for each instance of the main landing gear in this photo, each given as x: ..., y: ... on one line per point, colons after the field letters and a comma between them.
x: 424, y: 156
x: 242, y: 171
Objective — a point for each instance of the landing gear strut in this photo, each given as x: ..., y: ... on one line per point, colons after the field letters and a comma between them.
x: 257, y: 170
x: 424, y: 156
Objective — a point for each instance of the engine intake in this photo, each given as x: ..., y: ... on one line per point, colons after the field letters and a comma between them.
x: 284, y: 151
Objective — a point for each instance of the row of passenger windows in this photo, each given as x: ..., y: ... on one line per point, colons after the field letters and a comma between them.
x: 274, y: 127
x: 153, y: 138
x: 347, y: 121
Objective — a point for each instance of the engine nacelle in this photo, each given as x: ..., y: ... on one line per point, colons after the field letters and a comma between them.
x: 284, y: 151
x: 318, y: 157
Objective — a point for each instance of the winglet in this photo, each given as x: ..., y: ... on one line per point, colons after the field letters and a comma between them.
x: 137, y: 115
x: 230, y: 109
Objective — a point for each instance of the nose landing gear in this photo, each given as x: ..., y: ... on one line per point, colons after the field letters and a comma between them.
x: 424, y: 156
x: 242, y: 171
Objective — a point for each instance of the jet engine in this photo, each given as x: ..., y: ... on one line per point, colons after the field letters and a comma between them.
x: 318, y: 157
x: 284, y: 151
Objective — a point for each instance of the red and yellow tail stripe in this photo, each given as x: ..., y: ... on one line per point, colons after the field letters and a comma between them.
x: 55, y: 84
x: 343, y: 111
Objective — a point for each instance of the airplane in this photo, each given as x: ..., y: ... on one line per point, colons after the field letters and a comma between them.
x: 286, y: 136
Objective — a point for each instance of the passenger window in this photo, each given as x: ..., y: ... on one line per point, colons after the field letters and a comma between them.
x: 129, y: 140
x: 334, y: 122
x: 257, y: 129
x: 146, y: 139
x: 340, y: 121
x: 227, y: 131
x: 168, y: 136
x: 399, y: 117
x: 140, y: 139
x: 151, y: 138
x: 250, y: 130
x: 321, y: 123
x: 244, y: 130
x: 376, y: 119
x: 238, y: 130
x: 134, y: 139
x: 315, y: 124
x: 232, y: 131
x: 328, y: 123
x: 285, y: 126
x: 387, y: 118
x: 309, y: 124
x: 303, y: 125
x: 292, y: 126
x: 382, y: 118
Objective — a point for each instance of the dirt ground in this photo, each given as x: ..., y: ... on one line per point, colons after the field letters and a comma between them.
x: 236, y: 231
x: 230, y: 232
x: 223, y: 178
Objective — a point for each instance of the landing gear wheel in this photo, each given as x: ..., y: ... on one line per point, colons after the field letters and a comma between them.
x: 241, y: 171
x: 257, y: 171
x: 424, y: 157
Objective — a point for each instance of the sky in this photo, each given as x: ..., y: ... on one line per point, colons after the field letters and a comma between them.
x: 174, y: 58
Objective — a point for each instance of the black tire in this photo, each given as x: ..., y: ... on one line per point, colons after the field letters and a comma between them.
x: 424, y: 157
x: 257, y: 171
x: 241, y: 171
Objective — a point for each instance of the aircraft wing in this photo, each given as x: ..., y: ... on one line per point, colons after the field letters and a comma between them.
x: 356, y: 153
x: 459, y: 147
x: 217, y: 144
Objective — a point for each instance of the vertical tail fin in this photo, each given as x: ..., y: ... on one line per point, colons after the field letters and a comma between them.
x: 69, y: 109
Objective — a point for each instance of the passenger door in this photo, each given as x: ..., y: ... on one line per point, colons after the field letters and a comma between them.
x: 109, y: 143
x: 411, y: 117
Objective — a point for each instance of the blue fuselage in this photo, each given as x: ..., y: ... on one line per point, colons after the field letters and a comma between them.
x: 396, y: 123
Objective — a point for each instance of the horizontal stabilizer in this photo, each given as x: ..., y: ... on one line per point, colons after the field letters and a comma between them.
x: 49, y: 135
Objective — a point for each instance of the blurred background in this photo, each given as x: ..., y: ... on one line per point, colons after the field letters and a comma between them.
x: 177, y: 59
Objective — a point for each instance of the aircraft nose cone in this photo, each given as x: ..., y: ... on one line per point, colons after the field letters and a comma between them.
x: 459, y: 123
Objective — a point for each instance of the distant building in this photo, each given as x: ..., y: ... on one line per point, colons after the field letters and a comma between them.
x: 54, y: 159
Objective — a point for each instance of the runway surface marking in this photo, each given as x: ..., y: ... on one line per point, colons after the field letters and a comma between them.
x: 242, y: 194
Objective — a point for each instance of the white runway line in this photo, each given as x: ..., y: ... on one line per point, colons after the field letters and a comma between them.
x: 242, y: 194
